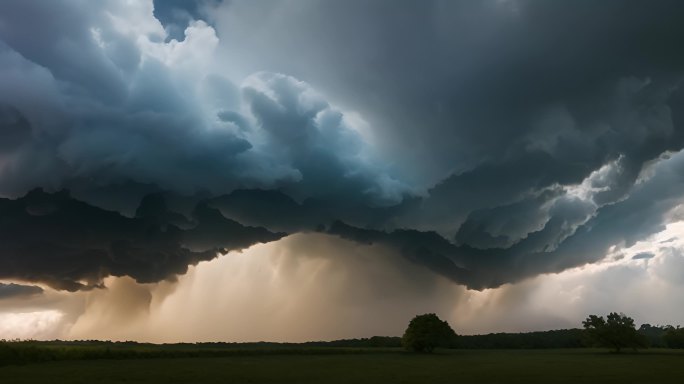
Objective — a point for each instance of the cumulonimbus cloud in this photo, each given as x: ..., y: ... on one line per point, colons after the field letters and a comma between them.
x: 526, y: 171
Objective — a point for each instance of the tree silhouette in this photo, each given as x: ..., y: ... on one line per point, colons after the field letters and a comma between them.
x: 426, y: 332
x: 616, y: 331
x: 674, y: 337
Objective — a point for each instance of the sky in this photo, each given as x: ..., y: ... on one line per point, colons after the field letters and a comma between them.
x: 314, y: 170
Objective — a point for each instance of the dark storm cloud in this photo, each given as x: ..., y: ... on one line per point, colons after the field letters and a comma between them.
x: 318, y: 141
x: 473, y: 76
x: 14, y: 290
x: 67, y: 244
x: 278, y: 211
x: 624, y: 222
x: 514, y: 96
x: 175, y: 15
x: 148, y: 112
x: 489, y: 140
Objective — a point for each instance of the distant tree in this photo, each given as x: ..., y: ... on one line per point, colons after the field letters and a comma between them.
x: 384, y: 341
x: 560, y: 338
x: 674, y: 337
x: 654, y: 334
x: 426, y: 332
x: 616, y: 331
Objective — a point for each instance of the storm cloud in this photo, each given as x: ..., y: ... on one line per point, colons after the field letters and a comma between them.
x: 14, y: 290
x: 66, y: 244
x: 490, y: 141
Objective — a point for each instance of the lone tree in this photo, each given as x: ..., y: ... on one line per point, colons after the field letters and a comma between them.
x: 616, y: 331
x: 426, y: 332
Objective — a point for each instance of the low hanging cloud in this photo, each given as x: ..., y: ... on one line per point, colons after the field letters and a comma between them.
x: 347, y: 290
x: 488, y: 155
x: 578, y: 231
x: 18, y: 290
x: 67, y: 244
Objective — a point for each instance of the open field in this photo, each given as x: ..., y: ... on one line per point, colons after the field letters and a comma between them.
x: 459, y: 366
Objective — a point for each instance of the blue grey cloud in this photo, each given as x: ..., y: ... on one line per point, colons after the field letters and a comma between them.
x: 643, y: 256
x: 151, y: 113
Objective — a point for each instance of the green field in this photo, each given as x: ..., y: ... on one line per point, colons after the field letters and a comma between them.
x: 461, y: 366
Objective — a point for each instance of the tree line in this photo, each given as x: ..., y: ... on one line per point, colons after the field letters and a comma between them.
x: 423, y: 334
x: 616, y: 331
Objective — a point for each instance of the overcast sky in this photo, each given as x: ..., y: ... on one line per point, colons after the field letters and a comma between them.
x: 312, y: 169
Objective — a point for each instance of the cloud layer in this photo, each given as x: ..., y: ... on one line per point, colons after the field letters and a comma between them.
x: 66, y: 244
x: 490, y: 141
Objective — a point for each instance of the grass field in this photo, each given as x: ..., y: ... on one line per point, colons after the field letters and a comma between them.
x: 467, y: 366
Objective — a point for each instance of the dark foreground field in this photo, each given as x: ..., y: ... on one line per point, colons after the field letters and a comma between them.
x: 463, y: 366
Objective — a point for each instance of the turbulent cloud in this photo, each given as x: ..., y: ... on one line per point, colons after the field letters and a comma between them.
x: 156, y: 113
x: 175, y: 15
x: 70, y: 245
x: 578, y: 231
x: 489, y: 141
x: 450, y: 84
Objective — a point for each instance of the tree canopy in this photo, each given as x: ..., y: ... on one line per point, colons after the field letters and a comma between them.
x: 426, y: 332
x: 617, y: 331
x: 674, y: 337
